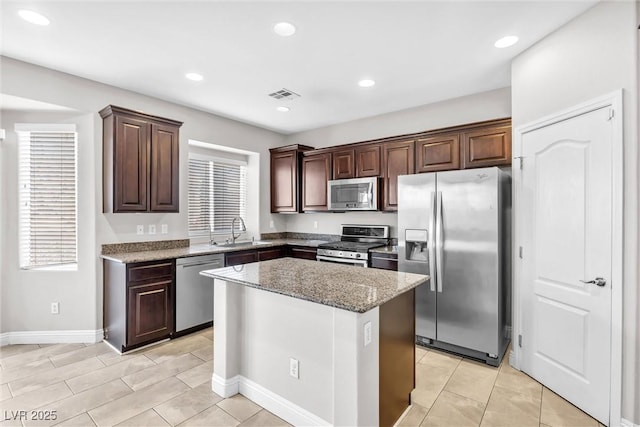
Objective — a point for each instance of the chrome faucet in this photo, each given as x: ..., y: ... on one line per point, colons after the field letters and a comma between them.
x: 212, y: 241
x: 233, y: 228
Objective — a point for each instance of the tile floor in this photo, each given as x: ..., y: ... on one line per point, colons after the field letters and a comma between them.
x: 170, y: 384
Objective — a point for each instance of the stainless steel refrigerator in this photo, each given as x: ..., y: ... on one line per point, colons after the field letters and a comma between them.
x: 455, y: 226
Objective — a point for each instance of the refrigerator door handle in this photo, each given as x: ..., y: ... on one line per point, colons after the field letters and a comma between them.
x: 439, y: 241
x: 431, y: 245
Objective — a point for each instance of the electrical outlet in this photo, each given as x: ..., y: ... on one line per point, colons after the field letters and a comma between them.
x: 294, y: 368
x: 140, y: 229
x: 55, y: 308
x: 367, y: 334
x: 165, y: 228
x: 271, y: 224
x: 152, y: 229
x: 315, y: 224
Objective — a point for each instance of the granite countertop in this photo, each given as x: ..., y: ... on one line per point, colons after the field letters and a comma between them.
x: 346, y: 287
x: 201, y: 249
x: 393, y: 250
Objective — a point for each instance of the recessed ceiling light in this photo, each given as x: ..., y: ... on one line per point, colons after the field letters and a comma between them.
x: 506, y: 42
x: 366, y: 83
x: 284, y: 29
x: 194, y: 76
x: 283, y: 109
x: 33, y: 17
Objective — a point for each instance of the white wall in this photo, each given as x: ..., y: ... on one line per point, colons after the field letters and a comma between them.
x: 468, y: 109
x: 591, y: 56
x: 82, y: 296
x: 27, y: 294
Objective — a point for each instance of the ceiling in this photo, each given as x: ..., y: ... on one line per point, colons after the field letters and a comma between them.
x: 418, y: 52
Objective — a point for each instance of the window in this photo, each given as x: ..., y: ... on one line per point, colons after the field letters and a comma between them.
x: 47, y: 195
x: 217, y: 194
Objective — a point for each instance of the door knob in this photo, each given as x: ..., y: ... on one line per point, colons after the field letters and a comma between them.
x: 598, y: 281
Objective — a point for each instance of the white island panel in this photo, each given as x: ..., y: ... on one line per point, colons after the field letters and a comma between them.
x: 263, y: 330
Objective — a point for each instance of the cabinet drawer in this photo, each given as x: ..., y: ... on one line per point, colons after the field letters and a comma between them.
x: 146, y: 271
x: 271, y: 253
x: 244, y: 257
x: 385, y: 261
x: 303, y: 252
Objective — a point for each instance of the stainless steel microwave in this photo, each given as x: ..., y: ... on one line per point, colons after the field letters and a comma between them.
x: 357, y: 194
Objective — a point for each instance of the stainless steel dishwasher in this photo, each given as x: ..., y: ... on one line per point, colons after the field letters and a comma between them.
x: 194, y: 293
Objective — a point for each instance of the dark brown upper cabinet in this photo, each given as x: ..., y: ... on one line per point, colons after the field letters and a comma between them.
x: 285, y: 178
x: 140, y: 162
x: 316, y: 171
x: 368, y: 160
x: 438, y: 153
x: 487, y: 146
x: 343, y: 164
x: 397, y: 159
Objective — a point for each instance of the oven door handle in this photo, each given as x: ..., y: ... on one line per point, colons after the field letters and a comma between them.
x: 362, y: 262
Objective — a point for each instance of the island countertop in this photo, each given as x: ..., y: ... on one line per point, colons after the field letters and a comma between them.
x: 349, y: 288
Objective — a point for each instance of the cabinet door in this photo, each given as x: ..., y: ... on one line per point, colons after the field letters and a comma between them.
x: 164, y: 173
x: 490, y: 146
x: 284, y: 182
x: 438, y: 153
x: 130, y: 165
x: 243, y: 257
x: 316, y: 171
x: 368, y: 160
x: 150, y: 311
x: 343, y: 164
x: 303, y: 252
x: 397, y: 159
x: 271, y: 253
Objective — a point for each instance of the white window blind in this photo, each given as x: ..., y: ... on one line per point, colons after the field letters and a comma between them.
x: 217, y: 194
x: 47, y: 197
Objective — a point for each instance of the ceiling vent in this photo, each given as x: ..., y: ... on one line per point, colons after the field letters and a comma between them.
x: 285, y: 94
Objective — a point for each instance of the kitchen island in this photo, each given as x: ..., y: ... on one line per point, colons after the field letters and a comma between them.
x: 316, y: 343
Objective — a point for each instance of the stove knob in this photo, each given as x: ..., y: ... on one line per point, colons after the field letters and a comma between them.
x: 358, y: 255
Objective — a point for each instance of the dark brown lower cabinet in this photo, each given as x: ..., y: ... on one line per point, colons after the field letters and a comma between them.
x: 384, y: 261
x: 397, y: 356
x: 303, y: 252
x: 138, y: 302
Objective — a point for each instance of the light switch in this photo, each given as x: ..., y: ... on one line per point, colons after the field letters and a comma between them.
x: 152, y: 229
x: 164, y: 228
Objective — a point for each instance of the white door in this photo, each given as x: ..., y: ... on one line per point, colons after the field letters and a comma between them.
x: 566, y: 230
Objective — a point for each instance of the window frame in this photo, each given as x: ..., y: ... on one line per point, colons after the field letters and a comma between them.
x: 24, y: 131
x: 215, y: 159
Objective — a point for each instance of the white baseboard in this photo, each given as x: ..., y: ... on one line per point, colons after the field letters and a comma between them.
x: 627, y: 423
x: 225, y: 388
x: 51, y: 337
x: 274, y: 403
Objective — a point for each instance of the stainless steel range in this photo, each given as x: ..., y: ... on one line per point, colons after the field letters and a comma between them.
x: 354, y: 244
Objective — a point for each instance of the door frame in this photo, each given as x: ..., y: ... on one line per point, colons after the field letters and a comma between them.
x: 614, y: 100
